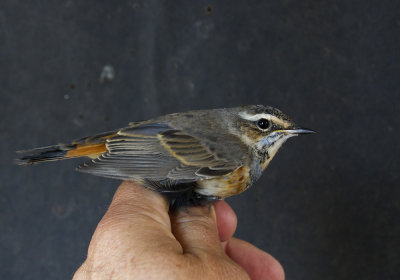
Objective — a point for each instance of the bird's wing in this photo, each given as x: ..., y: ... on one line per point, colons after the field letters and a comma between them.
x: 157, y: 152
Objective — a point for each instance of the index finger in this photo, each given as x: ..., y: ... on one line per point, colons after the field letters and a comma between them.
x: 137, y: 218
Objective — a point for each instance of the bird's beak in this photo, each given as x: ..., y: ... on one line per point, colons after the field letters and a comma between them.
x: 299, y: 130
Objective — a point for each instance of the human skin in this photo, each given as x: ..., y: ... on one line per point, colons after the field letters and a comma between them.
x: 139, y: 239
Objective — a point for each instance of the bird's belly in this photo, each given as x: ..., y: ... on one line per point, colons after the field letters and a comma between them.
x: 231, y: 184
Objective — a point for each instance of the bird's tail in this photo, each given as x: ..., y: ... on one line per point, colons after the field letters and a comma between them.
x: 91, y: 147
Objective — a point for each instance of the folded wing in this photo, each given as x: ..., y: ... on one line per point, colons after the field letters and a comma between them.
x: 157, y: 152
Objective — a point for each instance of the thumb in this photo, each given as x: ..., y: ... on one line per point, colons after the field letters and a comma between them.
x: 196, y: 230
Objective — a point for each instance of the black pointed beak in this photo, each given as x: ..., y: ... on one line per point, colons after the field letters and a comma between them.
x: 299, y: 130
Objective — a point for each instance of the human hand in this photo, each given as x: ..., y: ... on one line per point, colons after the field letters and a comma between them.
x: 138, y: 239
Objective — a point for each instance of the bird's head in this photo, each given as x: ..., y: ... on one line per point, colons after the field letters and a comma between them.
x: 265, y: 129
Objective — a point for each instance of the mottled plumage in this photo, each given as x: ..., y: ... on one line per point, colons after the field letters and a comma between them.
x: 191, y: 157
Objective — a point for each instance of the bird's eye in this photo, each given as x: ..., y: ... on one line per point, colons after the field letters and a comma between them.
x: 263, y: 123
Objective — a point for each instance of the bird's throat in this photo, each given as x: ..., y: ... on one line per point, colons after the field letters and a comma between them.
x: 268, y: 147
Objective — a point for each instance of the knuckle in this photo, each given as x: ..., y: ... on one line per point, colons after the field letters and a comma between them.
x: 196, y: 223
x: 104, y: 235
x: 80, y: 275
x: 133, y: 213
x: 83, y: 272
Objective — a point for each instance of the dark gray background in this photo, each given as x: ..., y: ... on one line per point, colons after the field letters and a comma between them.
x: 328, y: 206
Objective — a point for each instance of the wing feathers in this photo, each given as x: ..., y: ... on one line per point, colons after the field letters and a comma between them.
x: 189, y: 150
x: 144, y: 129
x: 156, y: 152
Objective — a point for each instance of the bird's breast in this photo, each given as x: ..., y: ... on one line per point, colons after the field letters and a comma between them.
x: 231, y: 184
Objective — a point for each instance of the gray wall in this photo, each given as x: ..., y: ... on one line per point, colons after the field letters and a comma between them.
x: 327, y: 207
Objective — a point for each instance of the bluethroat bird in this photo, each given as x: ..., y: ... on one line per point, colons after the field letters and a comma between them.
x: 192, y: 157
